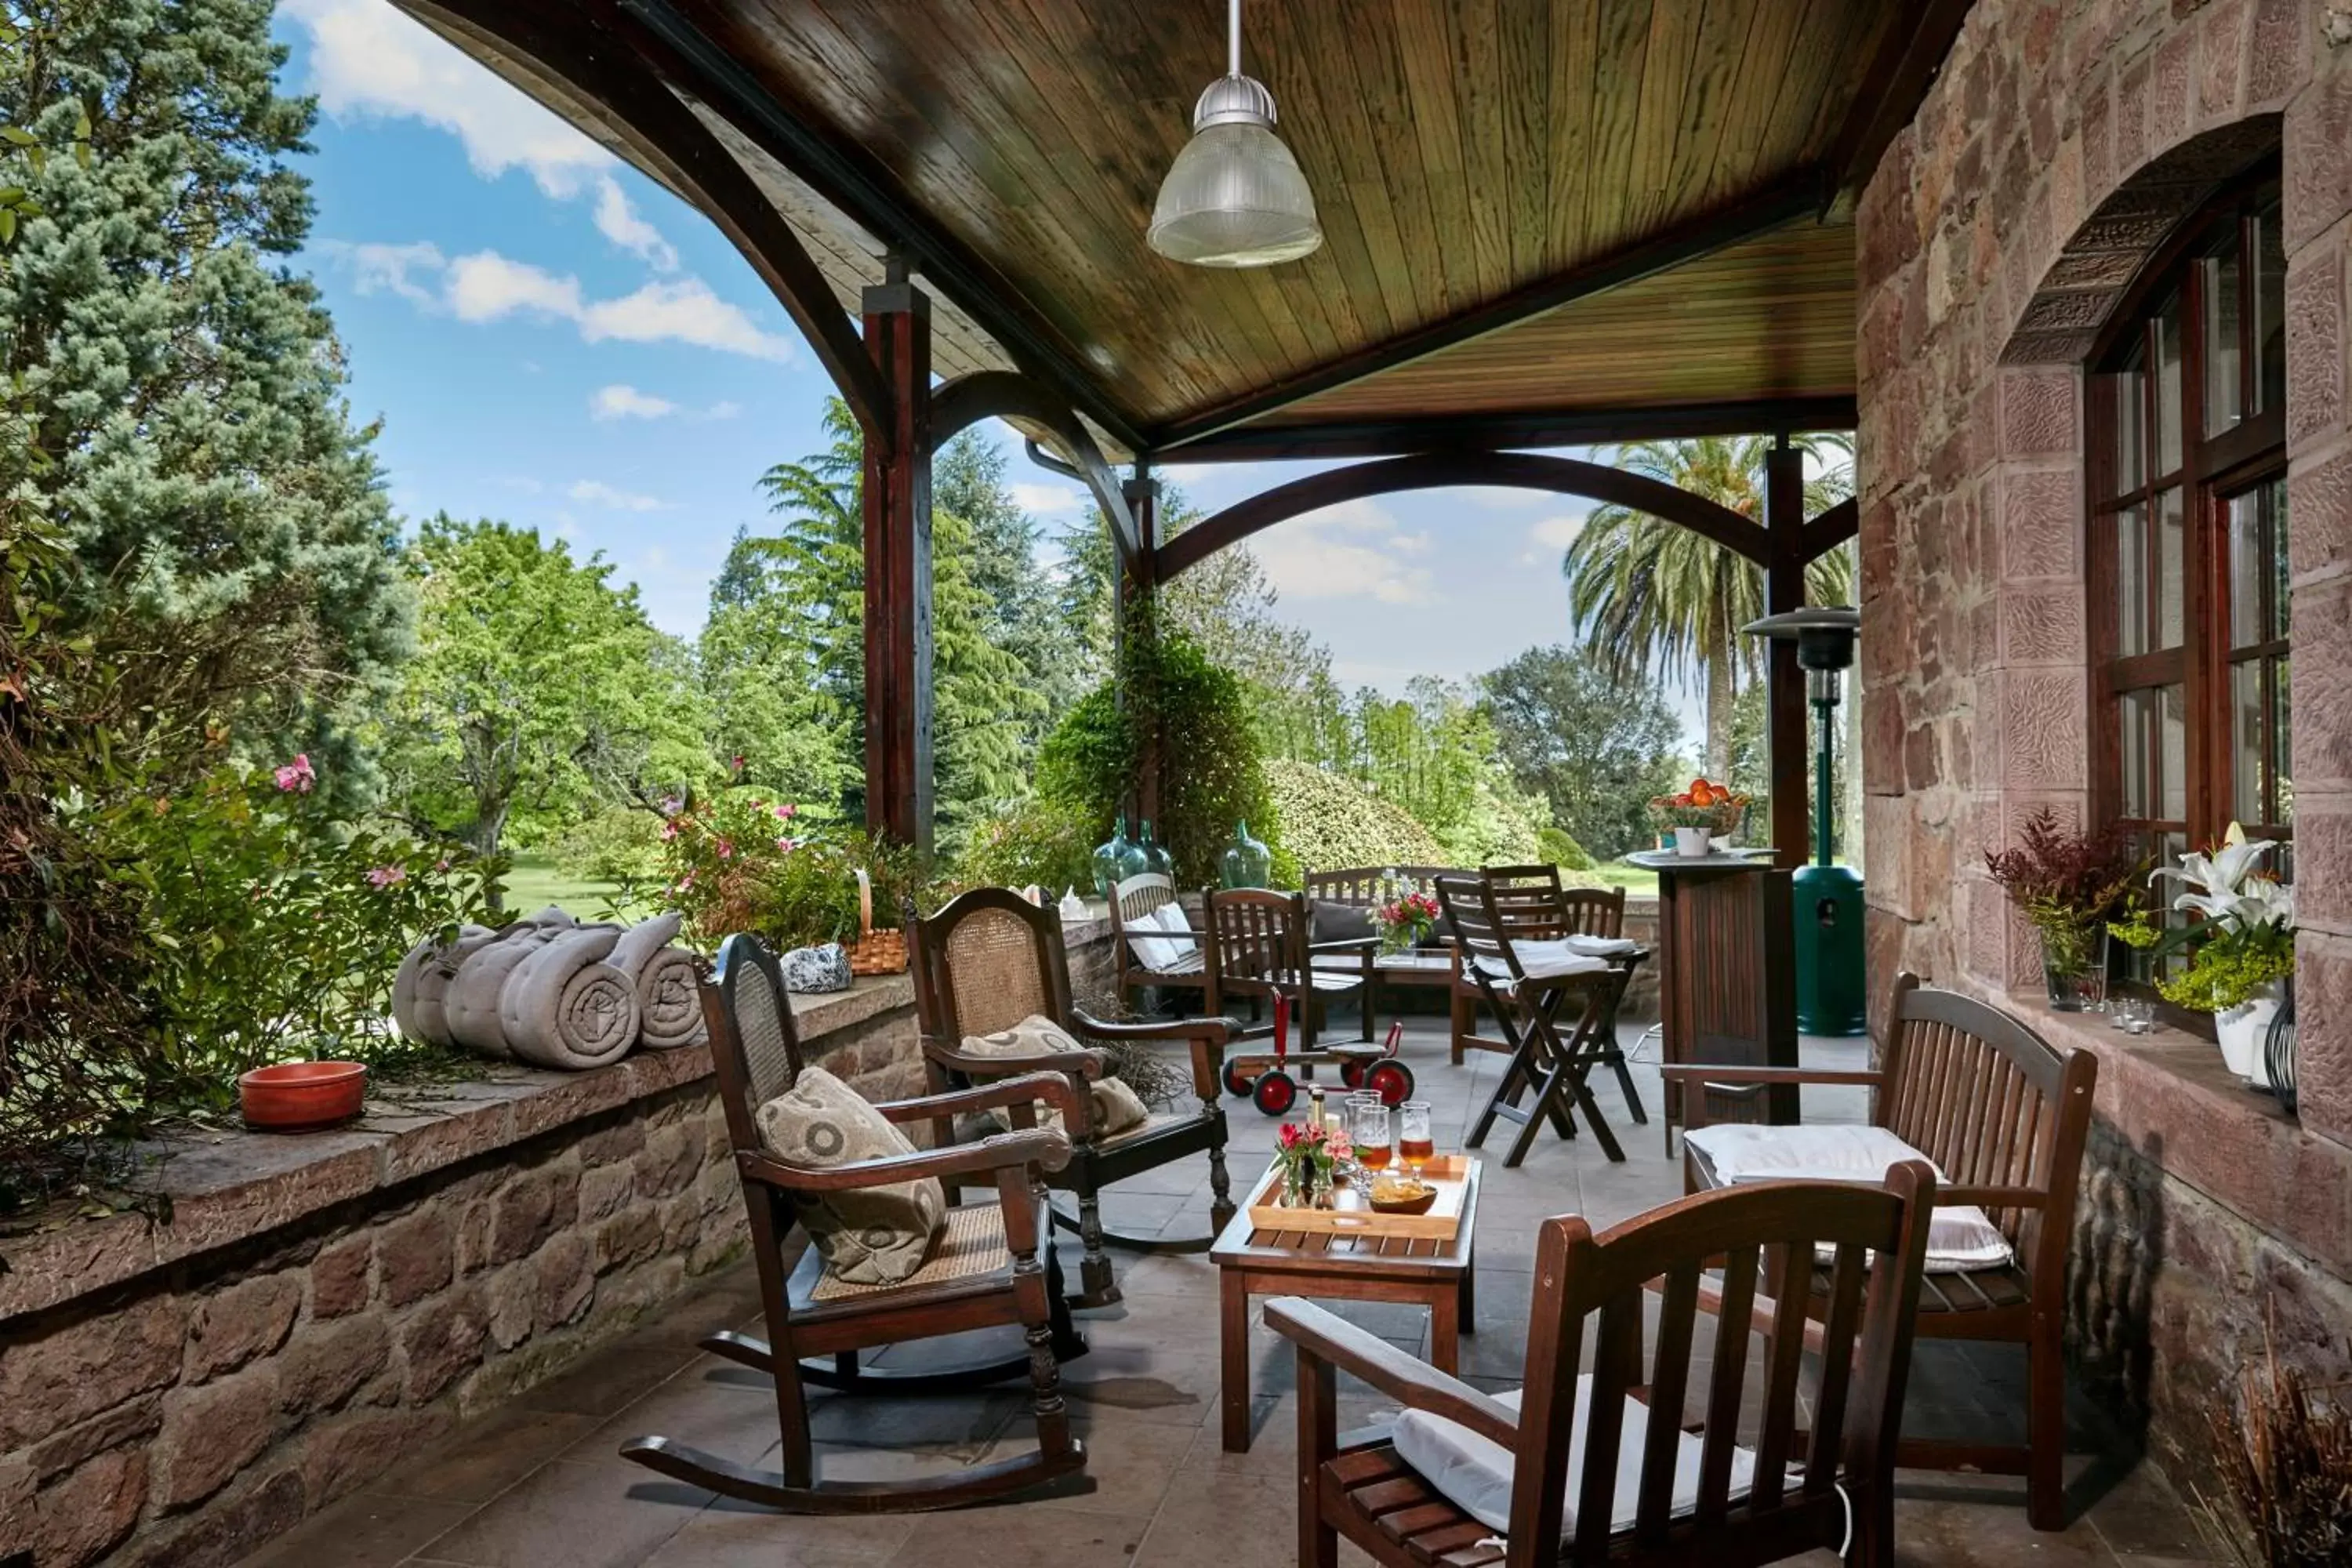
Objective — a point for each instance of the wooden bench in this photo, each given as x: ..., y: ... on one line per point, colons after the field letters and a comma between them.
x: 2005, y: 1115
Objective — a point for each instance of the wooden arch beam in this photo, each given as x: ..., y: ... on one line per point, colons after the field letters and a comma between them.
x: 604, y: 68
x: 959, y: 404
x: 1831, y: 528
x: 1431, y: 470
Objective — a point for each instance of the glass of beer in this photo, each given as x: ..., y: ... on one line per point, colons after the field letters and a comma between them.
x: 1369, y: 1133
x: 1413, y: 1145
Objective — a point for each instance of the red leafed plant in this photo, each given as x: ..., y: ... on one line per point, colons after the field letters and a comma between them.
x: 2067, y: 882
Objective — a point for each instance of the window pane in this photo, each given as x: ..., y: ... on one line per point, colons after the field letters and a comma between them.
x: 2270, y: 312
x: 2134, y: 711
x: 2222, y: 324
x: 2247, y: 742
x: 2281, y: 755
x: 2168, y: 386
x: 2249, y: 570
x: 2171, y: 573
x: 2131, y: 580
x: 2172, y: 755
x: 2281, y: 601
x: 2131, y: 414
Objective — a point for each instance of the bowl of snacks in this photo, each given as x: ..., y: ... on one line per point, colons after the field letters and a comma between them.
x: 1403, y: 1194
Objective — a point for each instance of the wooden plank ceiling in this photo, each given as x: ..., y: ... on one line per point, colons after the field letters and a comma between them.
x: 1478, y: 165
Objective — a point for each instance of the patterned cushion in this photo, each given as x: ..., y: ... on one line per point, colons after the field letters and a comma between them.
x: 809, y: 970
x: 1115, y: 1106
x: 876, y: 1236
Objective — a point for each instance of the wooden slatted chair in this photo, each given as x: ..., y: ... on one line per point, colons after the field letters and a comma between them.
x: 2005, y: 1116
x: 1466, y: 1479
x: 1131, y: 902
x: 1533, y: 896
x: 988, y: 960
x: 992, y: 1266
x: 1257, y: 948
x: 1551, y: 1066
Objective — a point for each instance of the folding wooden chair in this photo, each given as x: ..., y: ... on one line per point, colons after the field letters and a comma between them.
x: 1527, y: 1009
x: 1531, y: 898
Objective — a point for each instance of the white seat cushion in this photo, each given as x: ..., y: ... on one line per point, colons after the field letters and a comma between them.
x: 1161, y: 952
x: 1960, y: 1237
x: 1601, y: 946
x: 1475, y: 1473
x: 1544, y: 960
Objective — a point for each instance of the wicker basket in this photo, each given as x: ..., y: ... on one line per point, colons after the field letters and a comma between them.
x: 874, y: 952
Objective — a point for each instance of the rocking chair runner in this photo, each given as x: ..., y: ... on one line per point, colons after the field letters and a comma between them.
x: 991, y: 1265
x: 1552, y: 1067
x: 990, y: 958
x: 1494, y: 1484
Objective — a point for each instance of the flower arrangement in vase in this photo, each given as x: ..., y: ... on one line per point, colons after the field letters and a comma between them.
x: 1698, y: 816
x: 1406, y: 922
x: 2244, y: 944
x: 1308, y: 1156
x: 2069, y: 885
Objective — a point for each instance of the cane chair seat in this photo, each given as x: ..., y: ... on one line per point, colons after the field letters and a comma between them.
x: 970, y: 1250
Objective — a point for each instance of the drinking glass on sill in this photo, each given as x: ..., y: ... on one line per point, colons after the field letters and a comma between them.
x: 1369, y: 1133
x: 1413, y: 1144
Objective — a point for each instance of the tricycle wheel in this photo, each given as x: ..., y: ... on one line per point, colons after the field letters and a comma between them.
x: 1391, y: 1080
x: 1275, y: 1092
x: 1351, y: 1073
x: 1237, y: 1082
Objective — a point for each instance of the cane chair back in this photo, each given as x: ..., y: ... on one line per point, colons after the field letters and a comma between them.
x: 754, y: 1048
x: 1002, y: 961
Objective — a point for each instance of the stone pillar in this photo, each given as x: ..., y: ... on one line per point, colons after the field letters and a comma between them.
x: 898, y: 516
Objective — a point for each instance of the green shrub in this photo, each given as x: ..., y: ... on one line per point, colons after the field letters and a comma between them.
x: 1048, y: 842
x: 1555, y: 847
x: 611, y: 845
x: 733, y: 860
x: 1324, y: 822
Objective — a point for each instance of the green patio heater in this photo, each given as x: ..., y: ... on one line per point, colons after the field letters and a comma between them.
x: 1831, y: 985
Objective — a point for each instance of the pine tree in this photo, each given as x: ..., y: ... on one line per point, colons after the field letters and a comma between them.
x: 178, y: 407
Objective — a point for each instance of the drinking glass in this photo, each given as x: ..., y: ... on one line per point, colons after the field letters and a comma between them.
x: 1369, y: 1133
x: 1413, y: 1145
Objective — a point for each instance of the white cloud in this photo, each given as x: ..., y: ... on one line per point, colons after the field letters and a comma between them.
x: 1557, y: 533
x: 596, y: 492
x: 1499, y: 497
x: 487, y: 286
x: 387, y: 268
x: 687, y: 312
x: 1352, y: 550
x: 619, y: 401
x: 725, y: 408
x: 368, y: 60
x: 1031, y: 495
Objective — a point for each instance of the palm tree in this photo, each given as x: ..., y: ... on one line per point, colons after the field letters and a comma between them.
x: 1649, y: 594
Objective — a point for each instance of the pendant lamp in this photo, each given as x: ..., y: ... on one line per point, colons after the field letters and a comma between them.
x: 1234, y: 197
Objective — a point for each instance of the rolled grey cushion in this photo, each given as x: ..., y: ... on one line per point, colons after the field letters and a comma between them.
x: 669, y: 999
x: 471, y: 1004
x: 875, y: 1236
x: 420, y: 990
x: 566, y: 1007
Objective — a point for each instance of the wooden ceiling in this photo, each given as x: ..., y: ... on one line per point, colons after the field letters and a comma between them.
x: 1529, y: 205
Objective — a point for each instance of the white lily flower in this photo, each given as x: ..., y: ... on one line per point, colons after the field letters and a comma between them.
x: 2227, y: 885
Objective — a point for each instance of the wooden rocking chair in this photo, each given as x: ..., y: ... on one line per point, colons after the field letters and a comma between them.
x: 1552, y: 1067
x: 992, y: 1265
x: 1696, y: 1495
x: 990, y: 959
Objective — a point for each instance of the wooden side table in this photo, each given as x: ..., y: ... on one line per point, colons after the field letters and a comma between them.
x: 1416, y: 1271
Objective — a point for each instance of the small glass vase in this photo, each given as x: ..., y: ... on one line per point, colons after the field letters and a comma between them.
x: 1110, y: 860
x: 1306, y: 1185
x: 1246, y: 862
x: 2074, y: 969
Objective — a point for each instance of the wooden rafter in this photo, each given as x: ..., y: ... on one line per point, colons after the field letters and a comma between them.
x: 1826, y: 531
x: 1523, y: 470
x: 968, y: 399
x: 1538, y: 427
x: 1908, y: 62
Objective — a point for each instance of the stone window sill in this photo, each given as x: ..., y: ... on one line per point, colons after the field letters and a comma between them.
x: 226, y: 1186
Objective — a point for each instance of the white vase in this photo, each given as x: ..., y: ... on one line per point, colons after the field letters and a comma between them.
x: 2244, y: 1031
x: 1691, y: 841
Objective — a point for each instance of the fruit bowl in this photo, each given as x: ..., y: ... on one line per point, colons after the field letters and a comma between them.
x: 1403, y: 1195
x: 292, y: 1096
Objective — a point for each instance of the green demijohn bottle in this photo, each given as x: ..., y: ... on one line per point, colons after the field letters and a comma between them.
x: 1146, y: 855
x: 1246, y: 862
x: 1110, y: 859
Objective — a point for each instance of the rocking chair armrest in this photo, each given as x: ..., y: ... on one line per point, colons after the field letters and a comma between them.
x: 1328, y: 1338
x: 1216, y: 1031
x: 1040, y: 1146
x: 1730, y: 1073
x: 1084, y: 1063
x: 1028, y: 1086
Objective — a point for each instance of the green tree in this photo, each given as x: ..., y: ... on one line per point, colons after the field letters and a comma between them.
x: 539, y: 690
x: 1019, y: 610
x: 1652, y: 595
x: 177, y: 407
x: 1595, y: 746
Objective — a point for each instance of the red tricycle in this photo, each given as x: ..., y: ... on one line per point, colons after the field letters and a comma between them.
x: 1264, y: 1079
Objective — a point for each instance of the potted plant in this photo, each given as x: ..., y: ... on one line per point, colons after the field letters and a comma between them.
x: 2070, y: 885
x: 1698, y: 816
x: 2245, y: 945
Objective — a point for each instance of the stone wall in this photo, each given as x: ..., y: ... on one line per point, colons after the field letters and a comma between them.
x: 2061, y: 143
x: 319, y: 1307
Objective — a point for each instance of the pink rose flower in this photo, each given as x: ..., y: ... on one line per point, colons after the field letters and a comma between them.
x: 296, y: 776
x: 385, y: 876
x: 727, y: 850
x: 670, y: 831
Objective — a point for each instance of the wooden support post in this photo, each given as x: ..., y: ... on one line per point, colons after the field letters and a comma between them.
x: 898, y: 516
x: 1139, y: 591
x: 1784, y: 590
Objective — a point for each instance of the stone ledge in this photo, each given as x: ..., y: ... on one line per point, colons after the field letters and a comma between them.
x: 227, y: 1186
x: 2169, y: 1097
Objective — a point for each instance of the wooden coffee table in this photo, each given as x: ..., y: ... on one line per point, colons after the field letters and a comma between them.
x: 1417, y: 1271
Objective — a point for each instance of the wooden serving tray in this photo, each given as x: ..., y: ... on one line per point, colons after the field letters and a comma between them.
x: 1354, y: 1215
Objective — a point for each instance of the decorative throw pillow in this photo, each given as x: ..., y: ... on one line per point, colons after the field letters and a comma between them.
x: 810, y: 970
x: 873, y: 1236
x: 1330, y: 921
x: 1115, y: 1106
x: 1152, y: 949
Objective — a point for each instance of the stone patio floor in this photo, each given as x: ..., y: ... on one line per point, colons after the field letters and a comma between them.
x: 539, y: 1483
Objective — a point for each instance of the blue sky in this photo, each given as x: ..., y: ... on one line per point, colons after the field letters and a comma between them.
x: 550, y: 338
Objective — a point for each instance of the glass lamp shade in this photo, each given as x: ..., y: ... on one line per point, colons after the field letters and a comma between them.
x: 1234, y: 197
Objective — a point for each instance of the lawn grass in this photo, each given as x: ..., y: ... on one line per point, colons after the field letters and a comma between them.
x: 536, y: 881
x: 1634, y: 879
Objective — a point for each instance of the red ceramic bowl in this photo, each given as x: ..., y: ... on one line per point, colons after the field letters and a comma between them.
x: 302, y: 1094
